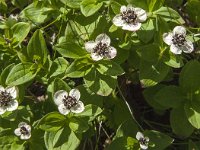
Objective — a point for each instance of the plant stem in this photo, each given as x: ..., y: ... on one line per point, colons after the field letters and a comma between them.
x: 50, y: 23
x: 129, y: 108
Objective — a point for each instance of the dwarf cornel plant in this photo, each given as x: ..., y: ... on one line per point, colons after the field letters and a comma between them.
x: 99, y: 74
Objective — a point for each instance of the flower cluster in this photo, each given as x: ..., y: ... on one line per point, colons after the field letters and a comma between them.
x: 23, y: 130
x: 177, y: 41
x: 130, y: 18
x: 100, y: 48
x: 68, y: 102
x: 143, y: 141
x: 8, y: 100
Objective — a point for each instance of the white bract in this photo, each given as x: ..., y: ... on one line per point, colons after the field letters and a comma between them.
x: 1, y: 17
x: 144, y: 141
x: 23, y: 130
x: 16, y: 16
x: 100, y: 48
x: 53, y: 38
x: 8, y: 100
x: 177, y: 41
x: 130, y: 18
x: 68, y: 102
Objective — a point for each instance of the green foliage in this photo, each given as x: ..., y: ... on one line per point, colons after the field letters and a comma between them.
x: 21, y: 73
x: 79, y: 68
x: 169, y: 97
x: 20, y: 31
x: 37, y: 49
x: 189, y: 77
x: 100, y: 84
x: 52, y: 122
x: 178, y: 127
x: 124, y: 143
x: 61, y: 139
x: 75, y: 51
x: 192, y: 9
x: 159, y: 140
x: 89, y: 7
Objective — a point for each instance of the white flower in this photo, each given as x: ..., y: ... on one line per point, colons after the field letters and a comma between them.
x: 100, y: 48
x: 177, y: 41
x: 67, y: 103
x: 1, y: 17
x: 16, y: 17
x: 53, y: 38
x: 23, y: 130
x: 8, y: 100
x: 130, y: 18
x: 144, y: 141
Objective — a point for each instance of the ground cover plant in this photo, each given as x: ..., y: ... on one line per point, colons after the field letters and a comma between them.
x: 99, y: 74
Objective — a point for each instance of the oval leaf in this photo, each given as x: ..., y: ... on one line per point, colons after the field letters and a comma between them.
x: 21, y: 73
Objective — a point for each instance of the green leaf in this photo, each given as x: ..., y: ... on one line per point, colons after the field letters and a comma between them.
x: 56, y: 85
x: 139, y: 3
x: 78, y: 125
x: 160, y: 140
x: 192, y: 146
x: 113, y: 28
x: 20, y: 74
x: 110, y: 68
x: 154, y: 4
x: 172, y: 60
x: 90, y: 111
x: 149, y: 95
x: 100, y: 84
x: 79, y: 68
x: 72, y: 3
x: 192, y: 8
x: 85, y: 93
x: 4, y: 74
x: 55, y: 139
x: 170, y: 96
x: 70, y: 50
x: 63, y: 139
x: 22, y: 112
x: 37, y: 49
x: 59, y: 84
x: 190, y: 77
x: 20, y: 31
x: 18, y: 146
x: 168, y: 14
x: 124, y: 143
x: 89, y: 7
x: 179, y: 122
x: 52, y: 121
x: 193, y: 115
x: 151, y: 52
x: 6, y: 142
x: 3, y: 6
x: 151, y: 73
x: 36, y: 14
x: 58, y: 67
x: 147, y: 31
x: 124, y: 129
x: 115, y: 7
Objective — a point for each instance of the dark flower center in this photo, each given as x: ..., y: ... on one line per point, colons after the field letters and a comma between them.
x: 178, y: 40
x: 143, y: 141
x: 5, y: 98
x: 69, y: 102
x: 24, y: 131
x: 101, y: 49
x: 129, y: 16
